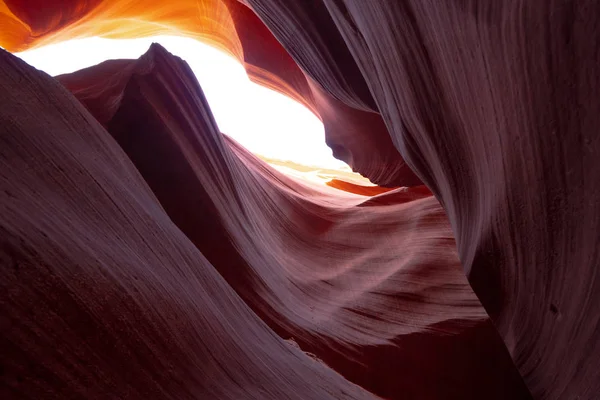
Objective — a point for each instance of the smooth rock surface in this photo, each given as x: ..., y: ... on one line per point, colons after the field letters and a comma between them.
x: 493, y: 105
x: 101, y: 295
x: 361, y: 283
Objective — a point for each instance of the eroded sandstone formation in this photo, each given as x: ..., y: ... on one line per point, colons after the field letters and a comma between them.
x: 102, y: 295
x: 493, y: 105
x: 299, y: 256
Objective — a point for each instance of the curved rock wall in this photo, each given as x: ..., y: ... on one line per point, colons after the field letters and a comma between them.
x: 493, y: 105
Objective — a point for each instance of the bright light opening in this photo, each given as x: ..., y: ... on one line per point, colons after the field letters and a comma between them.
x: 267, y: 123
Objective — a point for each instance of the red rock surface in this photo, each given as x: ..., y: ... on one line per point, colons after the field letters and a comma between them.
x: 102, y: 296
x: 493, y: 105
x: 361, y: 189
x: 497, y: 111
x: 298, y: 255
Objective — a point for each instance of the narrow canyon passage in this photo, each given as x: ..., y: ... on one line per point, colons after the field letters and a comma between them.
x: 144, y: 254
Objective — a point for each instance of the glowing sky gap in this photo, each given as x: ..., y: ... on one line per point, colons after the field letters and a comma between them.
x: 267, y: 123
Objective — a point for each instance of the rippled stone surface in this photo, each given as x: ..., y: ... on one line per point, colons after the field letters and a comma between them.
x: 493, y: 106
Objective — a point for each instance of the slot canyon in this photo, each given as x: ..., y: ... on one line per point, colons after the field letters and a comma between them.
x: 145, y: 254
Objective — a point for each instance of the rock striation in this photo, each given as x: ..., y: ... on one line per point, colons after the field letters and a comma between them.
x: 493, y: 106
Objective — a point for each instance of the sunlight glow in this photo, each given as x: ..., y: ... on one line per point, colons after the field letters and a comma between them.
x: 267, y: 123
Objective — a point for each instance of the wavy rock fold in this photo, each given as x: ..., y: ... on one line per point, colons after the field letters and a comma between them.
x: 146, y: 255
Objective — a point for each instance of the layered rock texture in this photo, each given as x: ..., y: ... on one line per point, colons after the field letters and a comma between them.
x: 146, y: 255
